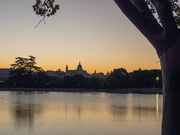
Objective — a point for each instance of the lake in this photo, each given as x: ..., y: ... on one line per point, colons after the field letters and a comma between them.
x: 61, y: 113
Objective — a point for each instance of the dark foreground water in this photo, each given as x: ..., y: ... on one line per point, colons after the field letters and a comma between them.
x: 56, y: 113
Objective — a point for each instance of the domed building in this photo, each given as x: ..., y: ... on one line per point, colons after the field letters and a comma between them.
x: 79, y: 67
x: 79, y: 70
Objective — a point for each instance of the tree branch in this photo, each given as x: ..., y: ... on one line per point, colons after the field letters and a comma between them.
x: 141, y: 5
x: 149, y: 27
x: 163, y: 8
x: 43, y: 19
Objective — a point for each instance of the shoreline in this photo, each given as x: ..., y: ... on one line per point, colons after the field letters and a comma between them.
x: 122, y: 90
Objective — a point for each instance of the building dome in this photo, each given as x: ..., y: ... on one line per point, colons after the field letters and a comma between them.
x: 79, y: 67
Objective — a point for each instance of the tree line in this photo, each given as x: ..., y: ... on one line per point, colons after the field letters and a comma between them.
x: 26, y: 74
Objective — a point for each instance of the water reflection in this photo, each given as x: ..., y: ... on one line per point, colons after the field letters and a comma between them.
x: 157, y: 105
x: 24, y: 110
x: 138, y: 108
x: 82, y: 113
x: 119, y: 112
x: 24, y: 114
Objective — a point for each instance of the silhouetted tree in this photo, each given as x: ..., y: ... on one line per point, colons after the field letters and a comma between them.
x: 42, y: 80
x: 68, y: 82
x: 119, y: 78
x: 79, y: 81
x: 56, y: 82
x: 112, y: 82
x: 95, y: 83
x: 165, y: 38
x: 24, y: 72
x: 16, y: 76
x: 146, y: 78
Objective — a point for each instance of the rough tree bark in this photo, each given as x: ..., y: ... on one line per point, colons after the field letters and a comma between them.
x: 165, y: 38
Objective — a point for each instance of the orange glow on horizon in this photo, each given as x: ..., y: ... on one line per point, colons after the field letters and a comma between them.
x: 101, y: 40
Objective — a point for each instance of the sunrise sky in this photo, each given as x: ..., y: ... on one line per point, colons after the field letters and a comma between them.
x: 94, y: 32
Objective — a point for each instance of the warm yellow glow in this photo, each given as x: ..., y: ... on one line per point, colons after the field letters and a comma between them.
x: 157, y: 105
x: 157, y: 78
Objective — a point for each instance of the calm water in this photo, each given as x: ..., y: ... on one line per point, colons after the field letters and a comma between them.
x: 79, y: 114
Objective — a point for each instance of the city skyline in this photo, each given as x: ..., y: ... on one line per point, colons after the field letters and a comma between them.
x: 96, y: 34
x: 69, y: 68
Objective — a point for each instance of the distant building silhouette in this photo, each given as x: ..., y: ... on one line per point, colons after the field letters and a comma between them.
x: 58, y: 73
x: 51, y: 73
x: 99, y: 75
x: 83, y: 72
x: 79, y: 70
x: 4, y: 72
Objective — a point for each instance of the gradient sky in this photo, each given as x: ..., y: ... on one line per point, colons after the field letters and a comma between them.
x: 94, y: 32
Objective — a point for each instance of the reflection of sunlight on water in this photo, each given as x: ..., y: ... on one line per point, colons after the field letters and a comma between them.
x: 138, y: 107
x: 157, y: 105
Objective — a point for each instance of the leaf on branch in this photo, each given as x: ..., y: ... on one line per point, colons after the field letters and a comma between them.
x: 45, y: 8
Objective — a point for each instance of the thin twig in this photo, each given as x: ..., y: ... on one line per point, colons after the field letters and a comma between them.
x: 43, y: 19
x: 157, y: 61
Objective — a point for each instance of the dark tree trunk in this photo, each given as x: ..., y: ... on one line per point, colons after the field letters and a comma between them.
x: 170, y: 64
x: 165, y: 38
